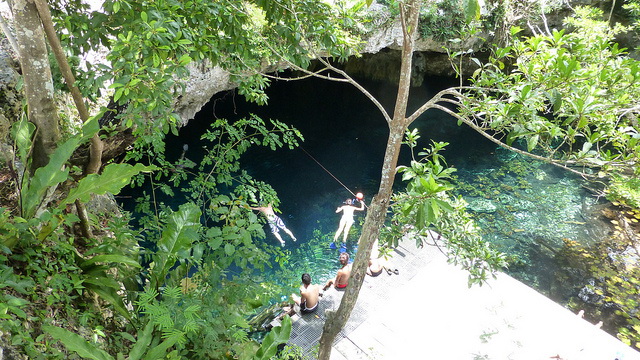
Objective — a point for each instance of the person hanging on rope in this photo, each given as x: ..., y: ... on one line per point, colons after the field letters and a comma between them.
x: 347, y: 219
x: 275, y: 223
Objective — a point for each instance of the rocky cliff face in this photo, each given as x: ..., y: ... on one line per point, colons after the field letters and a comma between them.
x: 10, y: 97
x: 204, y: 82
x: 380, y: 61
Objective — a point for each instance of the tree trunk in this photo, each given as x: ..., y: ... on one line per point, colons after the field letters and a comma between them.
x: 375, y: 218
x: 378, y: 207
x: 95, y: 150
x: 38, y: 82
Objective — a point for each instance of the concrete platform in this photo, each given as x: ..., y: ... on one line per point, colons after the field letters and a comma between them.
x: 428, y: 312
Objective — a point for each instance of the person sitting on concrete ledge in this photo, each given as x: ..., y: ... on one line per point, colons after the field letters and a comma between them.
x: 309, y: 295
x: 375, y: 267
x: 342, y: 277
x: 375, y: 263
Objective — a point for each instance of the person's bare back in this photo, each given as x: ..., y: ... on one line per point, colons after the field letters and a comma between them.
x: 309, y: 295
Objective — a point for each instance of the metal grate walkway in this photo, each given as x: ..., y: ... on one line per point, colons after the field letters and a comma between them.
x: 375, y: 291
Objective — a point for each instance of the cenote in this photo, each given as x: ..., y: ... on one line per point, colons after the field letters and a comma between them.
x: 525, y: 209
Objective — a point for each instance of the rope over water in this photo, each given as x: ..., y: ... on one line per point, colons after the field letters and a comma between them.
x: 328, y: 172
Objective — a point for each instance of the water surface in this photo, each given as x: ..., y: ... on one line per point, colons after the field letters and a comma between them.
x: 526, y: 209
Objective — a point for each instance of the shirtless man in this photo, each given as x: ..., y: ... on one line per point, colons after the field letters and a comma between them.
x: 309, y: 294
x: 342, y: 277
x: 347, y: 219
x: 274, y: 222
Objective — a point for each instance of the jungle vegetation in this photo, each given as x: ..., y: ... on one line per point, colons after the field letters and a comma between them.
x: 80, y: 278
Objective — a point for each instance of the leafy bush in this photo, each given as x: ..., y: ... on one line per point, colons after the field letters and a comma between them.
x: 625, y: 191
x: 426, y: 207
x: 442, y: 20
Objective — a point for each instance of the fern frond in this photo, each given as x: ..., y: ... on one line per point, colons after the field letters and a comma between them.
x: 190, y: 326
x: 164, y: 321
x: 240, y: 336
x: 176, y: 334
x: 148, y: 296
x: 192, y: 312
x: 172, y: 292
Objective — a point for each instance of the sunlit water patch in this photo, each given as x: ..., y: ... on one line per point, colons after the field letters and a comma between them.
x: 528, y: 210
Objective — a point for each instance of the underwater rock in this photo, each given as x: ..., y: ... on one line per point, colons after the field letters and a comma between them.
x: 628, y: 257
x: 481, y: 205
x: 588, y: 295
x: 540, y: 175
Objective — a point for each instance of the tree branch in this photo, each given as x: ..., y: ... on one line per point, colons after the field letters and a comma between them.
x: 8, y: 34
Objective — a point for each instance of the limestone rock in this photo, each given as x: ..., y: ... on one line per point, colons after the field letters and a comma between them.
x: 204, y: 82
x: 481, y: 205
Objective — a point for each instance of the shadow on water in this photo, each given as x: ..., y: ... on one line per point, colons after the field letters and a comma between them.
x: 524, y: 208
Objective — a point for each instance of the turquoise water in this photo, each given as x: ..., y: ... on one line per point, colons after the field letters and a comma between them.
x: 525, y: 209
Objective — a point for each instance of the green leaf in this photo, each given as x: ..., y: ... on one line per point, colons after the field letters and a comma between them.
x: 532, y: 142
x: 525, y: 91
x: 556, y: 99
x: 46, y: 177
x: 111, y: 296
x: 229, y: 249
x: 471, y: 10
x: 144, y: 339
x: 113, y: 178
x: 76, y: 343
x: 444, y: 205
x: 511, y: 137
x: 159, y: 351
x: 118, y: 94
x: 101, y: 279
x: 582, y: 122
x: 111, y: 258
x: 90, y: 128
x: 22, y: 133
x: 278, y: 335
x: 184, y: 60
x: 215, y: 243
x: 435, y: 209
x: 430, y: 214
x: 178, y: 235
